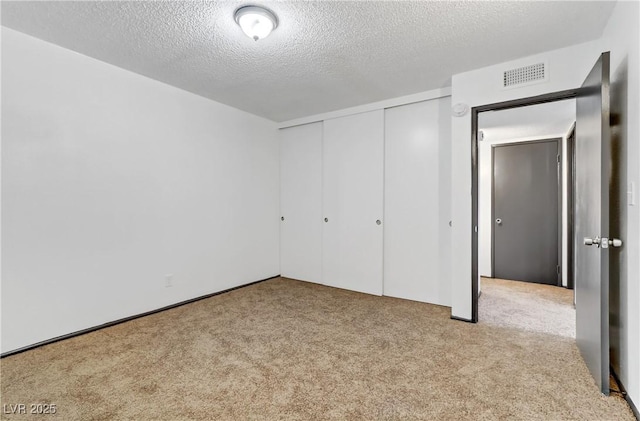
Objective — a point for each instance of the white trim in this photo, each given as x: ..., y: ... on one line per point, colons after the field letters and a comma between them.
x: 387, y: 103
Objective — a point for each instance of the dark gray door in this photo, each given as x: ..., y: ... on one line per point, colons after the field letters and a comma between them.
x: 593, y: 143
x: 525, y: 209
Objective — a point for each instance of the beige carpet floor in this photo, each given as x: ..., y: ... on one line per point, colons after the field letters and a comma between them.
x: 289, y: 350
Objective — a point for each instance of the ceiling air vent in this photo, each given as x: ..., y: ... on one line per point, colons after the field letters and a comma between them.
x: 526, y: 75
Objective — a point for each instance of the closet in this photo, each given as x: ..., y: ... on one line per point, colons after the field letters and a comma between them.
x: 352, y: 202
x: 301, y: 202
x: 365, y: 202
x: 417, y: 238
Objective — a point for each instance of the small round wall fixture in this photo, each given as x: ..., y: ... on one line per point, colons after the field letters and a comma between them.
x: 459, y: 109
x: 256, y: 22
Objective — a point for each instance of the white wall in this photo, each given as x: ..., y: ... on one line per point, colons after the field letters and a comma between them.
x: 566, y: 171
x: 110, y: 181
x: 567, y: 69
x: 622, y: 37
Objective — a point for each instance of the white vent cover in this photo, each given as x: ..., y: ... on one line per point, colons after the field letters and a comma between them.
x: 526, y: 75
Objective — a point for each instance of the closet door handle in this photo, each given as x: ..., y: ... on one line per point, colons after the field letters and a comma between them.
x: 326, y: 219
x: 378, y: 222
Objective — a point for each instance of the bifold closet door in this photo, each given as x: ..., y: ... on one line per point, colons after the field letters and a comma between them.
x: 417, y: 237
x: 301, y: 202
x: 353, y: 168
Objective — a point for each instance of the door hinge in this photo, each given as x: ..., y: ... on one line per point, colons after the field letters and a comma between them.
x: 558, y: 269
x: 558, y: 157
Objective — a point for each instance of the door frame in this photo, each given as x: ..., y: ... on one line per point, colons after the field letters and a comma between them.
x: 571, y: 200
x: 558, y: 142
x: 521, y: 102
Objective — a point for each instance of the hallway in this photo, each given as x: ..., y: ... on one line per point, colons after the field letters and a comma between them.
x: 527, y: 306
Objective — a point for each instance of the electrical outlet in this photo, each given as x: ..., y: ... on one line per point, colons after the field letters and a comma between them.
x: 168, y: 280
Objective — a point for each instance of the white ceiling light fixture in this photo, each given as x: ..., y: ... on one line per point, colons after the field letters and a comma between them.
x: 257, y: 22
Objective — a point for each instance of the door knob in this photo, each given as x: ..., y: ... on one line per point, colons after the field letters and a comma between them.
x: 498, y: 221
x: 378, y: 222
x: 282, y: 218
x: 326, y: 219
x: 592, y: 241
x: 614, y: 242
x: 603, y: 242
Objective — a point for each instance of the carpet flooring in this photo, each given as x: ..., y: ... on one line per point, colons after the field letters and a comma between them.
x: 290, y: 350
x: 527, y: 306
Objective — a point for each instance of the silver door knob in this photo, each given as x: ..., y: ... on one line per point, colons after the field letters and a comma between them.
x: 326, y: 219
x: 498, y: 221
x: 614, y: 242
x: 592, y: 241
x: 378, y: 222
x: 603, y: 242
x: 282, y: 218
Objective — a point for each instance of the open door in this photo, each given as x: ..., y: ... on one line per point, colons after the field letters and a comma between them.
x: 592, y: 237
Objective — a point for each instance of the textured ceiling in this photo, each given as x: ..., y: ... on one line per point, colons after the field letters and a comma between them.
x: 535, y: 121
x: 324, y: 56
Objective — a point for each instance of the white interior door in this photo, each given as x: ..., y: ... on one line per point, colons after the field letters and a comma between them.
x: 353, y: 167
x: 301, y: 202
x: 416, y: 202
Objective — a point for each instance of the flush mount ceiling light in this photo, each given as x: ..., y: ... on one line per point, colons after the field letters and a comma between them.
x: 256, y: 22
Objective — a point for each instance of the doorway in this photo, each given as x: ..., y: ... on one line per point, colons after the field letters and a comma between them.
x: 479, y: 208
x: 522, y: 235
x: 592, y: 213
x: 523, y: 189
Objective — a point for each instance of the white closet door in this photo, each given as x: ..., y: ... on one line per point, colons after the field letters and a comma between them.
x: 301, y: 202
x: 417, y: 196
x: 353, y: 162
